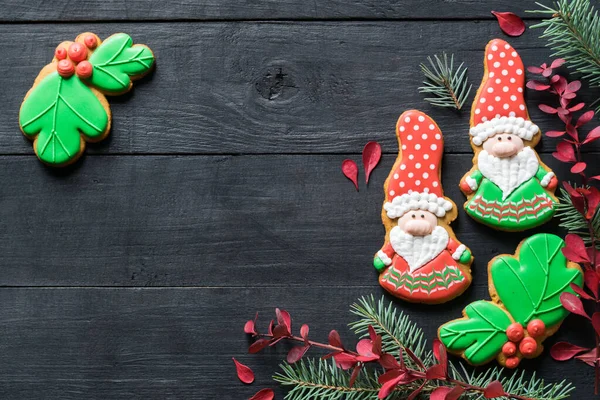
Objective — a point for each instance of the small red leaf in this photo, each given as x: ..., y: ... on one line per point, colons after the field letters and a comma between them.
x: 557, y: 63
x: 350, y: 170
x: 244, y: 373
x: 535, y: 70
x: 565, y: 152
x: 440, y: 393
x: 354, y: 375
x: 271, y: 326
x: 574, y: 248
x: 577, y: 107
x: 416, y: 392
x: 547, y: 109
x: 573, y: 86
x: 364, y: 347
x: 580, y: 292
x: 592, y: 135
x: 264, y: 394
x: 436, y: 371
x: 589, y: 357
x: 345, y: 361
x: 591, y: 280
x: 304, y: 332
x: 388, y: 387
x: 372, y: 333
x: 335, y: 340
x: 573, y: 304
x: 455, y: 393
x: 284, y: 318
x: 258, y: 346
x: 249, y: 327
x: 578, y: 168
x: 510, y: 23
x: 537, y: 85
x: 585, y: 118
x: 563, y: 351
x: 596, y: 322
x: 296, y: 353
x: 554, y: 134
x: 493, y: 389
x: 388, y: 361
x: 593, y: 200
x: 370, y: 157
x: 595, y: 177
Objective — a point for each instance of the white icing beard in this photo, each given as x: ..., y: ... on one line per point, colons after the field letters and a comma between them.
x: 418, y: 250
x: 508, y: 173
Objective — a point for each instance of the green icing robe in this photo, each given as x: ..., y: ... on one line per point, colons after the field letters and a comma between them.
x: 528, y: 206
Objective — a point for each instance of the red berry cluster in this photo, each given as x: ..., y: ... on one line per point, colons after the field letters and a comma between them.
x: 74, y: 59
x: 527, y: 345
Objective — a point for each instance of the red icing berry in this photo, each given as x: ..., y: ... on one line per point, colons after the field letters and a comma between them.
x: 528, y: 346
x: 512, y: 362
x: 536, y: 328
x: 65, y: 68
x: 515, y: 332
x: 60, y: 53
x: 90, y: 41
x: 77, y: 52
x: 509, y: 349
x: 84, y: 69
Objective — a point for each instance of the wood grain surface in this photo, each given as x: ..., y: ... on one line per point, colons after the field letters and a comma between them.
x: 130, y: 274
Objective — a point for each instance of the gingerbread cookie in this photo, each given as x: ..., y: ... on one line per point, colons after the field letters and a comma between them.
x: 66, y: 106
x: 508, y: 188
x: 421, y: 260
x: 525, y: 307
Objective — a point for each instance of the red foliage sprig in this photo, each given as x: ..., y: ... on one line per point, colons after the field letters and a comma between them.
x: 396, y: 372
x: 585, y: 200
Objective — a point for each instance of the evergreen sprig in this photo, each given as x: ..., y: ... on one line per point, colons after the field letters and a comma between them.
x: 575, y: 222
x: 449, y: 87
x: 572, y: 33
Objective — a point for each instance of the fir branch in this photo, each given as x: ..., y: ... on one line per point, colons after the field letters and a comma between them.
x: 449, y: 87
x: 572, y: 33
x: 575, y: 222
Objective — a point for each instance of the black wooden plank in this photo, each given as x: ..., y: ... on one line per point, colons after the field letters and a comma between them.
x: 154, y: 343
x: 239, y: 88
x: 206, y: 221
x: 143, y: 10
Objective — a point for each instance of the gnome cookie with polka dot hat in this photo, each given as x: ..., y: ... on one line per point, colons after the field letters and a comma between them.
x: 421, y: 260
x: 508, y: 188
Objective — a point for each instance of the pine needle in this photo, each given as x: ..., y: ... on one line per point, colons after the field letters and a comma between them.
x: 448, y: 86
x: 572, y: 32
x: 573, y: 221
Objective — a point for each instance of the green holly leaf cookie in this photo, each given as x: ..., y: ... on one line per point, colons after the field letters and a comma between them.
x: 480, y: 334
x: 59, y: 112
x: 116, y: 60
x: 530, y: 286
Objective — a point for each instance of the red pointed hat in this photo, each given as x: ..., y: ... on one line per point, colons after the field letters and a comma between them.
x: 414, y: 182
x: 499, y: 106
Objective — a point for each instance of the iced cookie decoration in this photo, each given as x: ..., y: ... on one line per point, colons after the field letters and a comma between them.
x: 66, y: 106
x: 421, y: 260
x: 525, y: 307
x: 508, y: 188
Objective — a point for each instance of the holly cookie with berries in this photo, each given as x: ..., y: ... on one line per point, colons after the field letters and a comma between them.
x: 509, y: 187
x: 525, y: 307
x: 67, y: 107
x: 421, y: 260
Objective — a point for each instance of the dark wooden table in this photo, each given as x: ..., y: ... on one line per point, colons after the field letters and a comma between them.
x: 130, y: 274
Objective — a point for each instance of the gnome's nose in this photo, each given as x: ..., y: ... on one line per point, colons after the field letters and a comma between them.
x: 418, y: 227
x: 504, y: 149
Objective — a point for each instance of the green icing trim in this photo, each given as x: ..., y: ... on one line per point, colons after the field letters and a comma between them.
x: 480, y: 334
x: 116, y: 60
x: 59, y: 111
x: 530, y: 286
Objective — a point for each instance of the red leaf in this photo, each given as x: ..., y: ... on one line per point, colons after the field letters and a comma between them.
x: 345, y: 361
x: 591, y: 281
x: 592, y: 135
x: 354, y: 375
x: 455, y: 393
x: 416, y: 392
x: 436, y: 371
x: 554, y: 134
x: 372, y: 333
x: 596, y: 322
x: 585, y: 118
x: 557, y: 63
x: 563, y: 351
x: 335, y: 340
x: 244, y: 373
x: 440, y: 393
x: 304, y: 332
x: 573, y: 86
x: 439, y: 350
x: 535, y: 70
x: 510, y: 23
x: 280, y: 331
x: 249, y: 328
x: 364, y: 347
x: 547, y: 109
x: 577, y: 107
x: 296, y: 353
x: 388, y: 387
x: 565, y: 152
x: 494, y: 389
x: 574, y: 248
x: 595, y: 177
x: 593, y: 200
x: 389, y: 376
x: 350, y: 170
x: 284, y: 318
x: 388, y: 362
x: 580, y: 292
x: 589, y: 357
x: 573, y: 304
x: 537, y: 85
x: 416, y: 359
x: 370, y: 157
x: 264, y: 394
x: 258, y: 346
x: 555, y: 78
x: 271, y: 326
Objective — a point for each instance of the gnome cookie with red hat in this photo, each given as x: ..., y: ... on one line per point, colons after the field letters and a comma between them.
x: 508, y: 188
x: 421, y: 260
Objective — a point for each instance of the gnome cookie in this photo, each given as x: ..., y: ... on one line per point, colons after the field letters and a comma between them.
x: 508, y: 188
x: 421, y: 260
